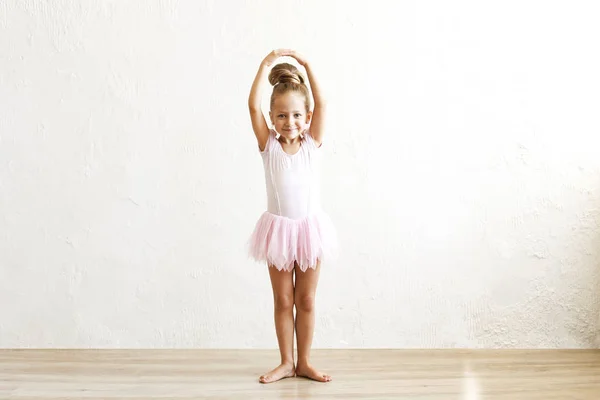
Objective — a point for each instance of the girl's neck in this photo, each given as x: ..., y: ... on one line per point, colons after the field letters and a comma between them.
x: 285, y: 140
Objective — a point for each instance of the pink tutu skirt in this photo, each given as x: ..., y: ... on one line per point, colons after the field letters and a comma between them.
x: 281, y: 241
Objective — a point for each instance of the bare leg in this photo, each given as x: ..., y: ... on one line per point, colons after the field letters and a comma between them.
x: 283, y: 300
x: 304, y: 298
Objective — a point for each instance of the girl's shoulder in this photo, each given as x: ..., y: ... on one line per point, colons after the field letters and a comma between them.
x: 311, y: 141
x: 270, y: 140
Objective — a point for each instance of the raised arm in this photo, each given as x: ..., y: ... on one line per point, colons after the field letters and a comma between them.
x: 259, y: 124
x: 317, y: 125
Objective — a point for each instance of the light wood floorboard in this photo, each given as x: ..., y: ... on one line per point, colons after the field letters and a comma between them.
x: 357, y: 374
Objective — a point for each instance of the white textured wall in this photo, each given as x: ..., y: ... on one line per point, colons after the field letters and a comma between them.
x: 462, y: 171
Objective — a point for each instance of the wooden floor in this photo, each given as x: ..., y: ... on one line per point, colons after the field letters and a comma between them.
x: 357, y: 374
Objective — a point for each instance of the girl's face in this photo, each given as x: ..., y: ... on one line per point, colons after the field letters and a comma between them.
x: 289, y: 116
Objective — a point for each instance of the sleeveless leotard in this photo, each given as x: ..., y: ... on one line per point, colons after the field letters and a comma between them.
x: 294, y: 229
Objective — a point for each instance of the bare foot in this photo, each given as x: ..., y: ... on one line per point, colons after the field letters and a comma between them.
x: 308, y: 371
x: 280, y: 372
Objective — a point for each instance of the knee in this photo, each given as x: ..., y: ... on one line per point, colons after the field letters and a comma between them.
x: 305, y: 302
x: 284, y: 302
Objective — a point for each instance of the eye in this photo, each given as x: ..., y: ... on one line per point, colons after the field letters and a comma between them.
x: 297, y: 115
x: 281, y: 116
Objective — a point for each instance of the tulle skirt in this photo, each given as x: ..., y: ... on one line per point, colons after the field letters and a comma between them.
x: 281, y: 241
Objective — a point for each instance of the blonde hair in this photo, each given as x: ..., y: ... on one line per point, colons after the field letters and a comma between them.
x: 286, y: 78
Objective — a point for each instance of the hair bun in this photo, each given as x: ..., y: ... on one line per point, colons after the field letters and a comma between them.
x: 285, y: 73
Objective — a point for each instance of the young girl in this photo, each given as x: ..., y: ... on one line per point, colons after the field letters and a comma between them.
x: 294, y: 234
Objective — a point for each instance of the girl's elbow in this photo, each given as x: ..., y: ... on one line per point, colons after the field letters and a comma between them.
x: 253, y: 105
x: 321, y: 104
